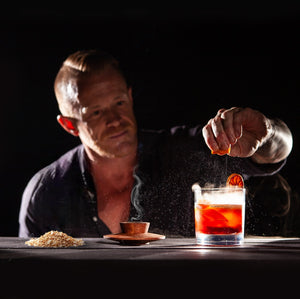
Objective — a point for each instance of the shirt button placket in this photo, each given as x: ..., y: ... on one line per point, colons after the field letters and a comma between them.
x: 93, y: 206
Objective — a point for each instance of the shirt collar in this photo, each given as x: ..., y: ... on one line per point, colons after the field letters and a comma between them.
x: 84, y: 168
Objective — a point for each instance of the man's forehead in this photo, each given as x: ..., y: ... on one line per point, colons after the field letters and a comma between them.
x: 96, y: 90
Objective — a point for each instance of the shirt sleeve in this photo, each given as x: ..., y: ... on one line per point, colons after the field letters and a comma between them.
x: 245, y: 166
x: 249, y: 168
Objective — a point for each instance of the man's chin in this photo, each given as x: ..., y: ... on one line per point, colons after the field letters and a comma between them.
x: 120, y: 151
x: 124, y: 152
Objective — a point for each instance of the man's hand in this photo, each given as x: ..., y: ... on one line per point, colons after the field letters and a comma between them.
x: 249, y: 133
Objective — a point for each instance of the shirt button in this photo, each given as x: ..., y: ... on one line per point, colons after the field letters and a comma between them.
x: 95, y: 219
x: 91, y: 195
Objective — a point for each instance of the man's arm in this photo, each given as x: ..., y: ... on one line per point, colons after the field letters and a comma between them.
x: 277, y: 146
x: 249, y: 133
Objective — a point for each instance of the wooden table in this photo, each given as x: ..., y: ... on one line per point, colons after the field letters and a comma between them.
x: 161, y: 269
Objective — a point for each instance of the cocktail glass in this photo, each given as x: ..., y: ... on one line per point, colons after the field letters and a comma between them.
x: 219, y: 215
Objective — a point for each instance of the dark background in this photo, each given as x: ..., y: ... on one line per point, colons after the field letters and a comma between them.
x: 184, y: 64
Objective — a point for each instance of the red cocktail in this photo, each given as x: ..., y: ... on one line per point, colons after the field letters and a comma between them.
x: 219, y: 216
x: 215, y: 219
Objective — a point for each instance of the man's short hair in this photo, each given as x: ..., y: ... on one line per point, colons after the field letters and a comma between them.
x: 79, y: 64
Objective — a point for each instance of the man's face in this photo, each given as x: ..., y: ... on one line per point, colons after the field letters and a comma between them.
x: 106, y: 125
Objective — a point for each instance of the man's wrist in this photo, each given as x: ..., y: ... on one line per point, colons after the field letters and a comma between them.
x: 277, y: 144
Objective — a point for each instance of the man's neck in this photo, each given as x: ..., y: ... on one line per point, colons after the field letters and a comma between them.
x: 115, y: 173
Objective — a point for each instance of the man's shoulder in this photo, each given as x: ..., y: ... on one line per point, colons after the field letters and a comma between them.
x: 64, y: 167
x: 50, y: 189
x: 68, y: 161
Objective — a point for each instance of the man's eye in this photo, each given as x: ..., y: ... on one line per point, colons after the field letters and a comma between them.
x: 120, y: 103
x: 96, y: 113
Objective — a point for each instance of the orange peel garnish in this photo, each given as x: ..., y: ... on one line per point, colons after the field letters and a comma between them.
x: 235, y: 180
x: 222, y: 152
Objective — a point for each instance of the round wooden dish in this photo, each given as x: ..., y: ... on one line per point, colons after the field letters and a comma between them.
x: 134, y: 233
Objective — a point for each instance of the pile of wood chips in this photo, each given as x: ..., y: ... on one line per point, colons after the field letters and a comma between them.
x: 54, y: 239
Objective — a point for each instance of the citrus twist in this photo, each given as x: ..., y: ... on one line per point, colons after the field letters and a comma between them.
x: 235, y: 180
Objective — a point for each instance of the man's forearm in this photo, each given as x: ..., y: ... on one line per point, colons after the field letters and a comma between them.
x: 277, y: 146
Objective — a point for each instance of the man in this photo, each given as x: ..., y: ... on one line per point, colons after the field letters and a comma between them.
x: 121, y: 173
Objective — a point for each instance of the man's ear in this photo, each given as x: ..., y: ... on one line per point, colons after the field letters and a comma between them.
x: 67, y: 124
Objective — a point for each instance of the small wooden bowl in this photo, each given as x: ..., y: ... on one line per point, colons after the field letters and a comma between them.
x: 133, y: 228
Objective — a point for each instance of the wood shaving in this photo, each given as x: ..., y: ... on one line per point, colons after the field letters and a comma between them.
x: 54, y: 239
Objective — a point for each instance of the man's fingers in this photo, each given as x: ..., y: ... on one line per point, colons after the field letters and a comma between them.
x: 232, y: 123
x: 219, y: 133
x: 209, y: 137
x: 227, y: 118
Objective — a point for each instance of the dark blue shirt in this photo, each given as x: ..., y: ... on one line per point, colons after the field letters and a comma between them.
x: 62, y: 196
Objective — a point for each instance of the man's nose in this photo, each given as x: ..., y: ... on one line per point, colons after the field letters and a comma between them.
x: 112, y: 118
